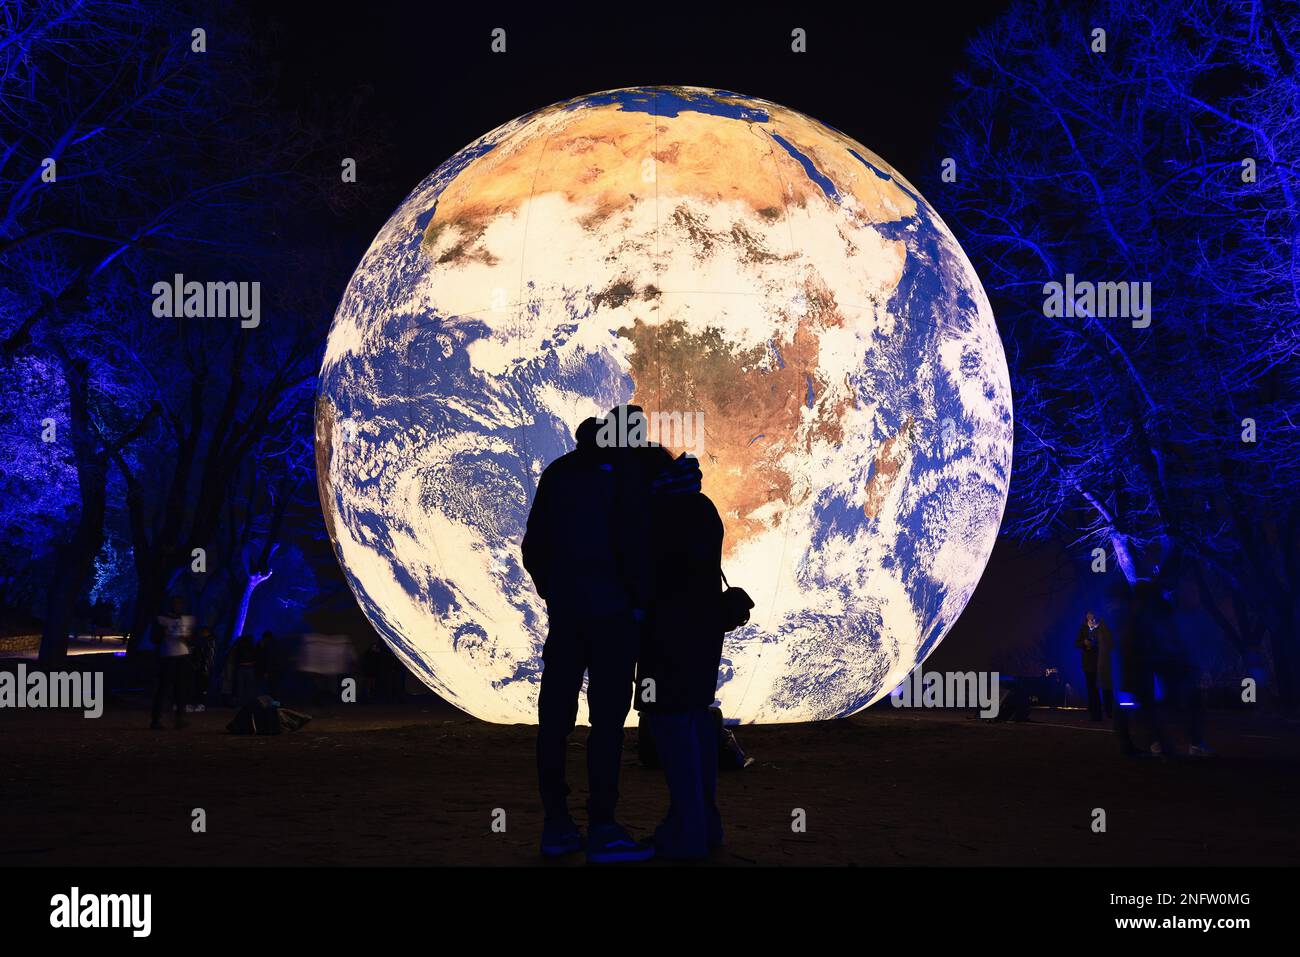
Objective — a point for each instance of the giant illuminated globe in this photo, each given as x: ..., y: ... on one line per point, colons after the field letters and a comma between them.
x: 693, y: 251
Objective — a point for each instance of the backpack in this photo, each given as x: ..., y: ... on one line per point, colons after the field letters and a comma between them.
x: 734, y: 605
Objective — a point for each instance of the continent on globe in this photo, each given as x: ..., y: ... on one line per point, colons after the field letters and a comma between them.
x: 698, y: 252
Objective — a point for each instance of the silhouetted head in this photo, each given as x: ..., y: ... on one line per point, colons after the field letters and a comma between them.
x: 586, y: 432
x: 626, y: 426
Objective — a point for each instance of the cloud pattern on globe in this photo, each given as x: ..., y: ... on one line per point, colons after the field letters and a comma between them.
x: 691, y: 250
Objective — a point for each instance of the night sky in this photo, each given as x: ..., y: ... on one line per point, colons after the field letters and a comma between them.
x: 424, y: 80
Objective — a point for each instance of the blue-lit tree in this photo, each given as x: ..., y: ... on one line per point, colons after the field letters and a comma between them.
x: 1163, y: 150
x: 136, y: 142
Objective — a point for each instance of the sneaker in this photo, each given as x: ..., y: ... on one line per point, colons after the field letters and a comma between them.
x: 1157, y: 749
x: 611, y: 844
x: 1201, y: 751
x: 560, y: 838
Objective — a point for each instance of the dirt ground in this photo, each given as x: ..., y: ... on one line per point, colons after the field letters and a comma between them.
x: 418, y: 784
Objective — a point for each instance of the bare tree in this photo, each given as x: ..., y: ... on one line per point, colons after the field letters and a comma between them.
x: 1148, y: 142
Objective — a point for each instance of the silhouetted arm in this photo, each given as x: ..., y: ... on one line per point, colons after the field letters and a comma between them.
x: 536, y: 545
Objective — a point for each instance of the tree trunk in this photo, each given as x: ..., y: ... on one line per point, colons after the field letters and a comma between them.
x: 73, y: 564
x: 1124, y: 557
x: 216, y: 679
x: 246, y: 596
x: 75, y: 559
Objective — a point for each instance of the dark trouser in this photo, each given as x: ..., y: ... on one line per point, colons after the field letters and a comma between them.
x: 687, y: 743
x: 1144, y: 698
x: 173, y: 675
x: 1108, y: 702
x: 1094, y: 695
x: 605, y: 647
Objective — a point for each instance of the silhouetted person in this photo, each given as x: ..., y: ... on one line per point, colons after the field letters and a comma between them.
x: 1106, y: 668
x: 201, y: 654
x: 582, y: 551
x: 1089, y: 645
x: 677, y: 676
x: 1149, y: 650
x: 101, y: 619
x: 175, y: 632
x: 1134, y: 647
x: 243, y: 658
x: 267, y: 664
x: 372, y: 667
x: 1178, y: 676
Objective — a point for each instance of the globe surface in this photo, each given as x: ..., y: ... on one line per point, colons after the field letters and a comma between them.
x: 693, y: 251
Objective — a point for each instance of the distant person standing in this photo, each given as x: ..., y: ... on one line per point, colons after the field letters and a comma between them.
x: 1178, y: 677
x: 1132, y: 652
x: 268, y: 670
x: 1106, y: 669
x: 1150, y: 651
x: 244, y: 664
x: 1088, y: 642
x: 101, y: 619
x: 176, y: 633
x: 201, y: 654
x: 372, y: 663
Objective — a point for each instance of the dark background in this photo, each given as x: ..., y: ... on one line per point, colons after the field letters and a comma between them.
x: 426, y: 82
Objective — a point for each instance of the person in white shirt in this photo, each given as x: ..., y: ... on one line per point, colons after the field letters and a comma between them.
x: 175, y: 632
